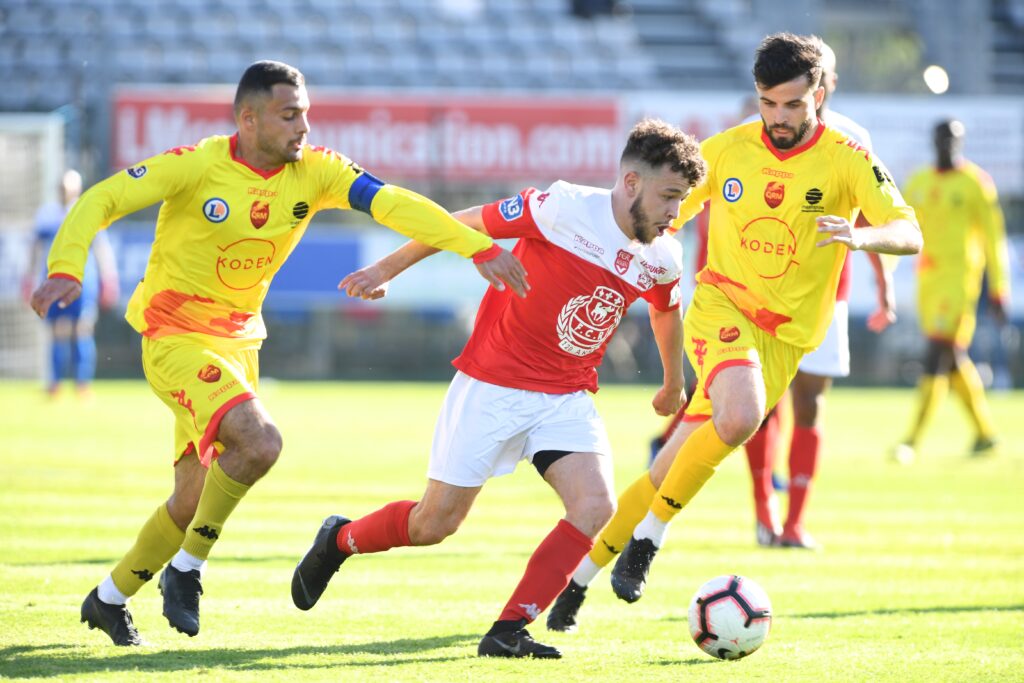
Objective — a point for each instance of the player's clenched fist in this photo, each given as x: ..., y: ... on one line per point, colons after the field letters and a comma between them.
x: 55, y: 289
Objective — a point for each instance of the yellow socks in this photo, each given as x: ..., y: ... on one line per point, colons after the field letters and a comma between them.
x: 157, y: 542
x: 932, y: 389
x: 220, y: 495
x: 968, y: 386
x: 693, y: 466
x: 632, y: 507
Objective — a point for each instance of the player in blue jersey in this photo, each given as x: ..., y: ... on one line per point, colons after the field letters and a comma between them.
x: 72, y: 349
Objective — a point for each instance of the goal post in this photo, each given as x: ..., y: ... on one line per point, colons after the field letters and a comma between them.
x: 32, y: 147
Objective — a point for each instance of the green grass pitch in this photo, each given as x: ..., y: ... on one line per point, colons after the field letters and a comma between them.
x: 921, y: 579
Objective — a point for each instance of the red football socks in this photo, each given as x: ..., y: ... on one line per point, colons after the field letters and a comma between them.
x: 547, y: 572
x: 378, y: 531
x: 803, y: 461
x: 761, y: 450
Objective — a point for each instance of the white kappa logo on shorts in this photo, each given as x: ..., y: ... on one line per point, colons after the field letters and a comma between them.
x: 585, y: 322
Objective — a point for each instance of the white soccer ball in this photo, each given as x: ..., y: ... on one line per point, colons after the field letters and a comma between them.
x: 730, y: 617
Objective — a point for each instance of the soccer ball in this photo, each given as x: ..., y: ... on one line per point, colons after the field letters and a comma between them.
x: 730, y: 617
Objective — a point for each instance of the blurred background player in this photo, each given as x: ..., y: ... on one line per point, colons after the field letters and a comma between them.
x: 525, y: 376
x: 72, y: 346
x: 964, y: 237
x: 199, y: 310
x: 765, y: 298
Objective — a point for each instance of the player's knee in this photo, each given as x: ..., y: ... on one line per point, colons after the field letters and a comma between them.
x: 737, y: 424
x: 592, y: 513
x: 266, y: 448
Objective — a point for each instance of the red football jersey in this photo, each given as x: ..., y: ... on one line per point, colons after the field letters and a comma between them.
x: 584, y: 273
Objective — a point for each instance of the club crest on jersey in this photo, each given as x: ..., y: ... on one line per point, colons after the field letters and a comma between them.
x: 774, y: 193
x: 209, y: 374
x: 732, y: 189
x: 137, y: 171
x: 586, y: 322
x: 259, y: 213
x: 511, y: 208
x: 622, y: 260
x: 216, y: 210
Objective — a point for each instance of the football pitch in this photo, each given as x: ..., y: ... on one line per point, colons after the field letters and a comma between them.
x: 921, y: 578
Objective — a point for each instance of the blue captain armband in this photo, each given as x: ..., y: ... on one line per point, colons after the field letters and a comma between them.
x: 362, y: 191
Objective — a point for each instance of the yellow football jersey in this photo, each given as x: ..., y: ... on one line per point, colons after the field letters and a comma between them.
x: 963, y: 231
x: 762, y: 238
x: 226, y: 228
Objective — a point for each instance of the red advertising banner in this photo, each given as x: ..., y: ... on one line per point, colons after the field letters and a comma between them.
x: 456, y: 138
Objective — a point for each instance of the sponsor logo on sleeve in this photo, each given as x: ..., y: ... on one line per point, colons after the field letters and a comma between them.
x: 676, y: 296
x: 511, y: 208
x: 137, y: 171
x: 732, y: 190
x: 259, y: 213
x: 774, y: 193
x: 216, y: 210
x: 882, y: 175
x: 644, y: 281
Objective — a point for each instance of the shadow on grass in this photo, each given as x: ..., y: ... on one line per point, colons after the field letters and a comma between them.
x: 25, y: 661
x: 951, y: 609
x: 273, y: 560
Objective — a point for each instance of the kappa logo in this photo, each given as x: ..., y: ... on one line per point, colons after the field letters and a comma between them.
x: 136, y: 171
x: 728, y: 334
x: 671, y: 502
x: 143, y: 574
x: 732, y: 190
x: 206, y: 532
x: 774, y: 193
x: 216, y: 210
x: 209, y: 374
x: 622, y: 260
x: 612, y: 549
x: 259, y: 213
x: 511, y: 208
x: 531, y: 610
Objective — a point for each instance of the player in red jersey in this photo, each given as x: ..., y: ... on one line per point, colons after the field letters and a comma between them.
x: 521, y: 392
x: 198, y: 310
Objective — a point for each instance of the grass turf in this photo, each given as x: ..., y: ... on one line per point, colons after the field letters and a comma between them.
x: 921, y: 579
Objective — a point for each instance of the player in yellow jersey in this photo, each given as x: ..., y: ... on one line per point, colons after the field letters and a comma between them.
x: 783, y: 195
x: 233, y: 210
x: 964, y: 237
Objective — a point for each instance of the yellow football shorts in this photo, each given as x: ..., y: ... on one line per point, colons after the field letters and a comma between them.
x: 947, y: 316
x: 200, y: 379
x: 719, y: 336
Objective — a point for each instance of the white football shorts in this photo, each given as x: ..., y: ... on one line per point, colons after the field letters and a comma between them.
x: 484, y: 430
x: 832, y: 358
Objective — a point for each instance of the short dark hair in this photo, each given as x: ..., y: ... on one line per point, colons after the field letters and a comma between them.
x: 656, y: 143
x: 781, y: 57
x: 261, y: 77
